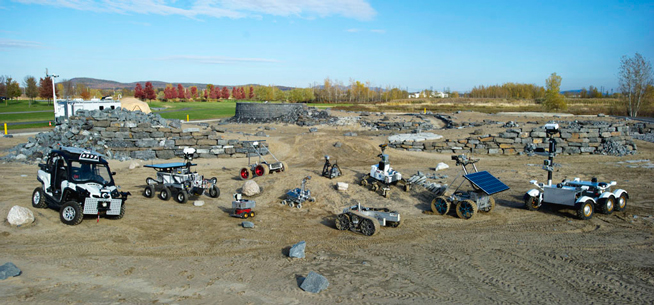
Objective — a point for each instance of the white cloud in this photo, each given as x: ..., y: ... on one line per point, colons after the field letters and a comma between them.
x: 379, y: 31
x: 216, y: 60
x: 353, y: 30
x: 355, y: 9
x: 371, y: 31
x: 20, y: 44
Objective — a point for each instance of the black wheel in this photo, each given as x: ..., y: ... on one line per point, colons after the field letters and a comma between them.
x: 585, y: 210
x: 38, y: 198
x: 621, y: 203
x: 367, y: 227
x: 213, y: 180
x: 165, y: 194
x: 119, y: 216
x: 466, y: 209
x: 531, y: 203
x: 607, y: 205
x: 181, y: 196
x: 245, y: 215
x: 252, y: 214
x: 214, y: 191
x: 148, y: 191
x: 71, y: 213
x: 440, y: 205
x: 342, y: 222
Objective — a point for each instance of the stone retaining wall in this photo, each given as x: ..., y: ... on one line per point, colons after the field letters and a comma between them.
x: 264, y: 111
x: 602, y: 138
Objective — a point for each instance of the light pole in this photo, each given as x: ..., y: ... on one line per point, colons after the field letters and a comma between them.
x: 54, y: 95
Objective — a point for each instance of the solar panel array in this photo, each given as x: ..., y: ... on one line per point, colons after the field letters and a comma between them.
x: 486, y: 182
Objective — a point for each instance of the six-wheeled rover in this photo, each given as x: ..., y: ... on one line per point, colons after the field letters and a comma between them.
x: 178, y: 181
x: 381, y: 175
x: 78, y: 182
x: 367, y: 220
x: 468, y: 203
x: 261, y: 167
x: 242, y: 207
x: 584, y: 196
x: 330, y: 170
x: 297, y: 196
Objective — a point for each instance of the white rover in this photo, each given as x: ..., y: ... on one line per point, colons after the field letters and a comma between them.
x: 583, y: 196
x: 367, y: 220
x: 381, y: 175
x: 78, y: 182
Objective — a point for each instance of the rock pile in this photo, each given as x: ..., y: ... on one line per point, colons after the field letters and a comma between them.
x: 298, y: 114
x: 576, y: 138
x: 121, y: 134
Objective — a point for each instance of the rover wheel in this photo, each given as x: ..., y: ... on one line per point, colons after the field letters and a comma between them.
x: 119, y: 216
x: 407, y: 187
x: 466, y: 209
x: 491, y: 205
x: 165, y: 194
x: 607, y: 205
x: 621, y: 203
x: 585, y: 210
x: 367, y: 227
x: 291, y: 204
x: 214, y: 191
x: 252, y: 214
x: 386, y: 193
x: 245, y: 173
x: 284, y: 166
x: 342, y: 222
x: 245, y: 215
x: 440, y: 205
x: 181, y: 196
x: 283, y: 202
x: 260, y: 170
x: 299, y: 205
x: 148, y: 191
x: 396, y: 224
x: 71, y: 213
x: 38, y: 198
x: 364, y: 182
x: 531, y: 203
x: 312, y: 199
x: 374, y: 187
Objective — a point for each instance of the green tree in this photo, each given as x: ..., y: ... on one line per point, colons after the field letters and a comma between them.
x: 31, y: 89
x: 634, y: 76
x: 554, y: 100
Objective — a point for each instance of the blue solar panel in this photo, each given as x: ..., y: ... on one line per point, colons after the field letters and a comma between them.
x: 486, y: 182
x: 167, y: 165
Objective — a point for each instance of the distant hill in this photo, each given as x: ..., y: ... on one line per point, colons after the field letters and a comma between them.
x: 95, y: 83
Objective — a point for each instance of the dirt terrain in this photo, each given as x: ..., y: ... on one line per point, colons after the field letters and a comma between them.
x: 165, y: 252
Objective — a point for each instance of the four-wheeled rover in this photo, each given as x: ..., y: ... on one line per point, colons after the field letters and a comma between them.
x: 78, y: 182
x: 177, y: 179
x: 261, y: 167
x: 330, y: 170
x: 297, y: 196
x: 381, y: 175
x: 242, y: 207
x: 367, y: 220
x: 584, y: 196
x: 469, y: 202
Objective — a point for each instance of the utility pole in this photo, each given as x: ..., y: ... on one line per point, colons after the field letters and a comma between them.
x: 52, y: 77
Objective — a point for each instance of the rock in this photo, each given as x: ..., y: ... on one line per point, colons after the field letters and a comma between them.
x: 338, y: 144
x: 9, y: 270
x: 350, y: 134
x: 247, y: 224
x: 314, y: 283
x: 313, y: 129
x: 8, y: 136
x: 342, y: 186
x: 19, y: 215
x: 441, y: 166
x: 260, y: 134
x: 198, y: 203
x: 134, y: 165
x: 251, y: 188
x: 297, y: 250
x: 21, y: 157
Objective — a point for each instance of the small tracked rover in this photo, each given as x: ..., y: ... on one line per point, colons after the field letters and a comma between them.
x: 584, y: 196
x: 381, y: 176
x: 261, y: 167
x: 297, y: 196
x: 367, y: 220
x: 78, y: 182
x: 178, y: 181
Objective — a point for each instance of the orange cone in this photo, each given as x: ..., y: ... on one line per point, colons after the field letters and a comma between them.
x: 50, y: 123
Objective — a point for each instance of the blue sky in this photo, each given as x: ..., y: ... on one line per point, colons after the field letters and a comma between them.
x: 409, y: 44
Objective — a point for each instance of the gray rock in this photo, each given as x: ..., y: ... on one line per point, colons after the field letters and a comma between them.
x: 247, y: 224
x: 338, y: 144
x: 297, y: 250
x: 314, y: 283
x: 313, y: 129
x: 260, y: 134
x: 350, y: 134
x: 9, y: 270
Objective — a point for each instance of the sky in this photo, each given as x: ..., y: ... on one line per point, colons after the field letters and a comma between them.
x: 413, y: 45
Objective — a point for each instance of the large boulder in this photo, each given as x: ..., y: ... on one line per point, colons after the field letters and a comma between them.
x: 251, y: 188
x: 9, y: 270
x: 19, y: 216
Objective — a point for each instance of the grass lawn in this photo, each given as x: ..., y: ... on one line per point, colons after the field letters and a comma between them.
x: 23, y: 105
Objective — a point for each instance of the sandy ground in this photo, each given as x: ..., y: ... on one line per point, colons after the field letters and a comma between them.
x: 165, y: 252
